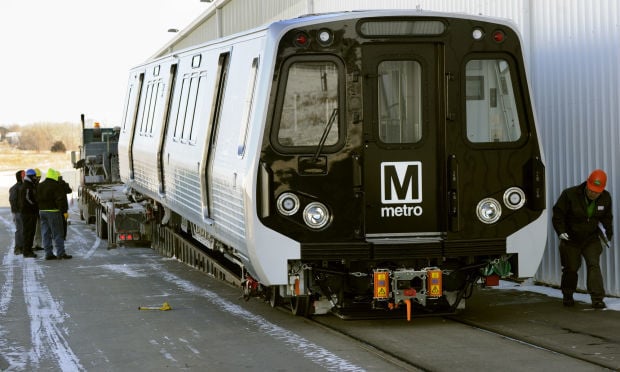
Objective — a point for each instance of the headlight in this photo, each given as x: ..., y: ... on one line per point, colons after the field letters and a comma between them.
x: 316, y: 215
x: 514, y: 198
x: 325, y: 37
x: 489, y: 210
x: 287, y: 204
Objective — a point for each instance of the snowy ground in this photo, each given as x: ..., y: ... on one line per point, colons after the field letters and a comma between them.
x: 611, y: 302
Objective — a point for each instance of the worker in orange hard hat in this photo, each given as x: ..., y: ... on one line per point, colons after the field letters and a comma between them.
x: 582, y: 219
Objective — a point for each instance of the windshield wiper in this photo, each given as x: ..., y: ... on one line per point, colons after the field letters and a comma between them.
x: 326, y: 130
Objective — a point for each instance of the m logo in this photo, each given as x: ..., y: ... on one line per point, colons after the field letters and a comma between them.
x: 401, y: 182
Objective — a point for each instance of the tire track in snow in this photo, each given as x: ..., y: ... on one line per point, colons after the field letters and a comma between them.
x: 46, y: 319
x: 13, y: 354
x: 307, y: 349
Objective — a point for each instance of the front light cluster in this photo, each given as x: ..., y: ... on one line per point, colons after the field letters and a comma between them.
x: 315, y: 214
x: 489, y: 210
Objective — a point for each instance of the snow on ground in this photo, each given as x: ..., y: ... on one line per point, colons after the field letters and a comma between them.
x: 612, y: 303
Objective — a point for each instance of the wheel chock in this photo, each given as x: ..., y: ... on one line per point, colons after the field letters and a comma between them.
x: 163, y: 307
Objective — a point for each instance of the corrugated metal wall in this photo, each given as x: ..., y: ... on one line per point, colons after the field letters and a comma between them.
x: 241, y: 15
x: 576, y: 75
x: 573, y: 48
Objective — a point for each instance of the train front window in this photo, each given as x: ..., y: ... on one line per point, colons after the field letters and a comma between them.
x: 492, y: 112
x: 400, y: 101
x: 310, y: 105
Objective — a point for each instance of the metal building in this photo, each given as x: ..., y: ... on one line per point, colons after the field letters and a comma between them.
x: 573, y: 50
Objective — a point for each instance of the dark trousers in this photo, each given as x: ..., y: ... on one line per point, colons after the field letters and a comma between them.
x: 19, y: 232
x: 51, y: 232
x: 570, y: 257
x: 29, y: 224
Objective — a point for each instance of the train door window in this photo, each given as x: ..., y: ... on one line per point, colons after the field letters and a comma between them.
x: 180, y: 111
x: 145, y: 108
x: 492, y: 115
x: 247, y: 110
x: 127, y: 107
x: 309, y: 104
x: 132, y: 103
x: 192, y: 87
x: 400, y: 101
x: 156, y: 93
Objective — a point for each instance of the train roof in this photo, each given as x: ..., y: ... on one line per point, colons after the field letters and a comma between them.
x: 279, y: 27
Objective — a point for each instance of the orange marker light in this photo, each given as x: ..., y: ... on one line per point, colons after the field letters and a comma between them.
x: 381, y: 284
x: 433, y: 283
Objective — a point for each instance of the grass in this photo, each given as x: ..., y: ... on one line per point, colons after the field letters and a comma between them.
x: 12, y: 159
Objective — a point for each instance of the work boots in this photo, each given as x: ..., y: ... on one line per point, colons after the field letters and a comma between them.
x: 568, y: 300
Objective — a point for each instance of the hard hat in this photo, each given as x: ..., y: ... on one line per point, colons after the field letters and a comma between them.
x: 38, y: 172
x: 52, y: 173
x: 31, y: 172
x: 597, y: 180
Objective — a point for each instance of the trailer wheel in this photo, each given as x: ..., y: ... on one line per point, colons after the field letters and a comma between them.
x: 300, y: 305
x: 100, y: 225
x: 274, y: 296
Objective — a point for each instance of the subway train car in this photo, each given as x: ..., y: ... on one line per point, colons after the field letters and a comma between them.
x: 346, y: 161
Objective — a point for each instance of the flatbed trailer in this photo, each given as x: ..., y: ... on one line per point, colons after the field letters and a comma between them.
x: 103, y: 199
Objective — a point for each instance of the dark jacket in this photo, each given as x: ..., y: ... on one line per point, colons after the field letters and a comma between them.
x: 51, y: 196
x: 570, y: 215
x: 65, y: 186
x: 28, y: 197
x: 14, y: 193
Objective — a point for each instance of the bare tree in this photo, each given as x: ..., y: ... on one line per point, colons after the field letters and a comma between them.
x: 42, y: 136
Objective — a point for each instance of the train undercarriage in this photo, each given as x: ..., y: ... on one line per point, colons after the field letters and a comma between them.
x: 320, y: 287
x: 384, y: 291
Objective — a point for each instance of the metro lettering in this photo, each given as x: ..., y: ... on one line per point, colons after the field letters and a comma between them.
x: 404, y: 211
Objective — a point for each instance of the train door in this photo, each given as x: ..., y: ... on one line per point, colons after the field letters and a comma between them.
x: 211, y: 140
x: 403, y: 133
x: 164, y: 131
x: 131, y: 119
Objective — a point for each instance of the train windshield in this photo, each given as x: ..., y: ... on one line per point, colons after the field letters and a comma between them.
x: 400, y: 101
x: 309, y: 105
x: 492, y: 113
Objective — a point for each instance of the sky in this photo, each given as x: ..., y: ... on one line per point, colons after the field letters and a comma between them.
x: 61, y: 58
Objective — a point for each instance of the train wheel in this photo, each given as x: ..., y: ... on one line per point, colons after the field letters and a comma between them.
x: 300, y: 305
x: 274, y: 296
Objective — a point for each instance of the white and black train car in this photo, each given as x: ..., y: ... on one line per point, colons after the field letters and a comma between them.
x: 359, y: 159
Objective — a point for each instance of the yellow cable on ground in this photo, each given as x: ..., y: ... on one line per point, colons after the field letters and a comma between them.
x: 163, y: 307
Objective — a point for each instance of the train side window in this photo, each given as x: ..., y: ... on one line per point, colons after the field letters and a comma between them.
x: 400, y: 101
x: 309, y: 104
x: 492, y: 111
x: 247, y: 110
